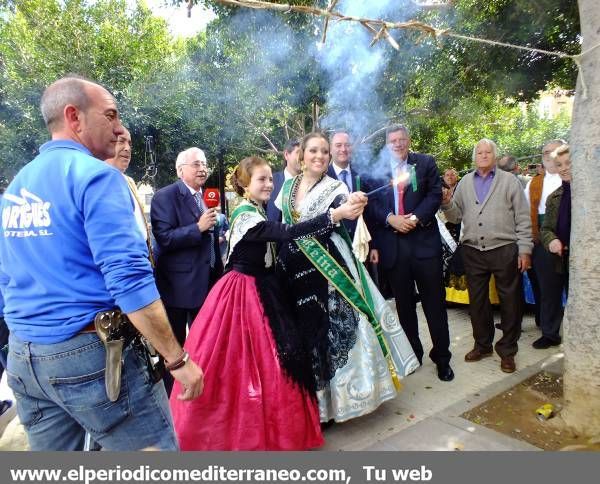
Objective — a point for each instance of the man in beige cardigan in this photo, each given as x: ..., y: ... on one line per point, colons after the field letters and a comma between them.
x: 496, y: 239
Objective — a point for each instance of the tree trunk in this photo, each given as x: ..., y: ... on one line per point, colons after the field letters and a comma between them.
x: 582, y: 322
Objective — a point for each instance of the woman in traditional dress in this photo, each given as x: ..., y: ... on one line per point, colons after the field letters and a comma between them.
x: 359, y: 348
x: 259, y: 391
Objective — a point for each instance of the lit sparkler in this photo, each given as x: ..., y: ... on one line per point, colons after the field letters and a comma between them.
x: 400, y: 179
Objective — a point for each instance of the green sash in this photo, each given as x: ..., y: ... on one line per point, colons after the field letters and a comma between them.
x: 247, y: 208
x: 244, y: 207
x: 358, y: 296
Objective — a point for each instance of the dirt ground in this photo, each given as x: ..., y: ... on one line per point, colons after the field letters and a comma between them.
x: 514, y: 413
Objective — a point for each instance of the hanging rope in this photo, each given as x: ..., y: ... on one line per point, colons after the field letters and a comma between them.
x: 380, y: 29
x: 150, y: 168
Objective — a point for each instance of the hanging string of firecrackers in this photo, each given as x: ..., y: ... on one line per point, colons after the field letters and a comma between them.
x: 331, y: 5
x: 380, y: 29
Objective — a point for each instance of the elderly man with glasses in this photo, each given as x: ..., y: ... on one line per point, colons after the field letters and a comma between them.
x: 188, y: 261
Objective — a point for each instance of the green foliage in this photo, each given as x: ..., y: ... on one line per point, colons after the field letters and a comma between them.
x: 516, y: 128
x: 42, y: 40
x: 453, y: 92
x: 551, y: 25
x: 254, y: 76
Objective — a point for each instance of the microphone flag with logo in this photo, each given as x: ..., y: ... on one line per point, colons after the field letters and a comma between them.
x: 212, y: 200
x: 211, y: 197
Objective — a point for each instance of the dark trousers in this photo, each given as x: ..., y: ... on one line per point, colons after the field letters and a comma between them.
x: 551, y: 287
x: 3, y: 343
x: 180, y: 319
x: 535, y: 286
x: 479, y: 267
x: 427, y: 274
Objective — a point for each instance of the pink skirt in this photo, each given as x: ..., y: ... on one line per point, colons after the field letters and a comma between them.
x: 248, y: 402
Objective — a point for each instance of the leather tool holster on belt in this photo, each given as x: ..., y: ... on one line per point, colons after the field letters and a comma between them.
x: 116, y: 332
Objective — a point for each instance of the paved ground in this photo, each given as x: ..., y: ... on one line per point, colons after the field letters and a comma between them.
x: 425, y: 416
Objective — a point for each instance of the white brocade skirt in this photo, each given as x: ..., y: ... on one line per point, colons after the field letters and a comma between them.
x: 365, y: 382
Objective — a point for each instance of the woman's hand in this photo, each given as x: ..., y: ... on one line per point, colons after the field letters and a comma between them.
x: 358, y: 197
x: 556, y: 247
x: 352, y: 208
x: 348, y: 211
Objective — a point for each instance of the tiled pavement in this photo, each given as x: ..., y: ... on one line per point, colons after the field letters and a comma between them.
x: 425, y: 415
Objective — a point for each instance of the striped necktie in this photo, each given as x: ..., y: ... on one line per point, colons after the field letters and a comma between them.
x: 344, y: 178
x: 198, y: 200
x: 211, y: 232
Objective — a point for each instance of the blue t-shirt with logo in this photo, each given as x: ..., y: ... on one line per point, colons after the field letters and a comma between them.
x: 69, y: 245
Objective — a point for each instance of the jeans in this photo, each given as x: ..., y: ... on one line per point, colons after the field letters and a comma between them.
x: 61, y: 394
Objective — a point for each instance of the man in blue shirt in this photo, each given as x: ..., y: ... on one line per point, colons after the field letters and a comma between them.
x: 68, y: 252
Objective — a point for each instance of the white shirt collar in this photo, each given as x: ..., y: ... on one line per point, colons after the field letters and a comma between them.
x: 192, y: 191
x: 395, y: 163
x: 338, y: 169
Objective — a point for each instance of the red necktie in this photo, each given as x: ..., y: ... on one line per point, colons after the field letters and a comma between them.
x: 400, y: 188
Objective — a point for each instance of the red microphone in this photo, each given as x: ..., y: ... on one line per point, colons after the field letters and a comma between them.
x: 211, y: 197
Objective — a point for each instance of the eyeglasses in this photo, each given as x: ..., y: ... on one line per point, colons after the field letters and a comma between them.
x: 196, y: 165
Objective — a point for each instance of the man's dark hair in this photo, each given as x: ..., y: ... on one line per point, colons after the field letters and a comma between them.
x: 291, y: 144
x: 338, y: 131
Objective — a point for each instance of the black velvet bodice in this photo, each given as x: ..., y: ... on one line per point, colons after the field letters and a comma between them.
x: 248, y: 255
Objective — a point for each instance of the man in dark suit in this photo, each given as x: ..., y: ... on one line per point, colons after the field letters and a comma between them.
x: 291, y: 169
x: 408, y: 244
x: 188, y: 261
x: 340, y: 167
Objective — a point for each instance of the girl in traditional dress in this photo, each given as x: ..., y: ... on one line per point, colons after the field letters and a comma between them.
x: 259, y: 391
x: 358, y: 346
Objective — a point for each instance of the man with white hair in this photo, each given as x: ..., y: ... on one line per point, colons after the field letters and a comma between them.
x: 188, y: 261
x: 496, y: 239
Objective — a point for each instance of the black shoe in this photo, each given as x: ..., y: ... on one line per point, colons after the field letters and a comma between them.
x: 497, y: 326
x: 326, y: 425
x: 544, y: 343
x: 445, y: 373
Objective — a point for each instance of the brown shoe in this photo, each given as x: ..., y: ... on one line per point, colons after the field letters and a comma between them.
x: 507, y: 364
x: 476, y: 355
